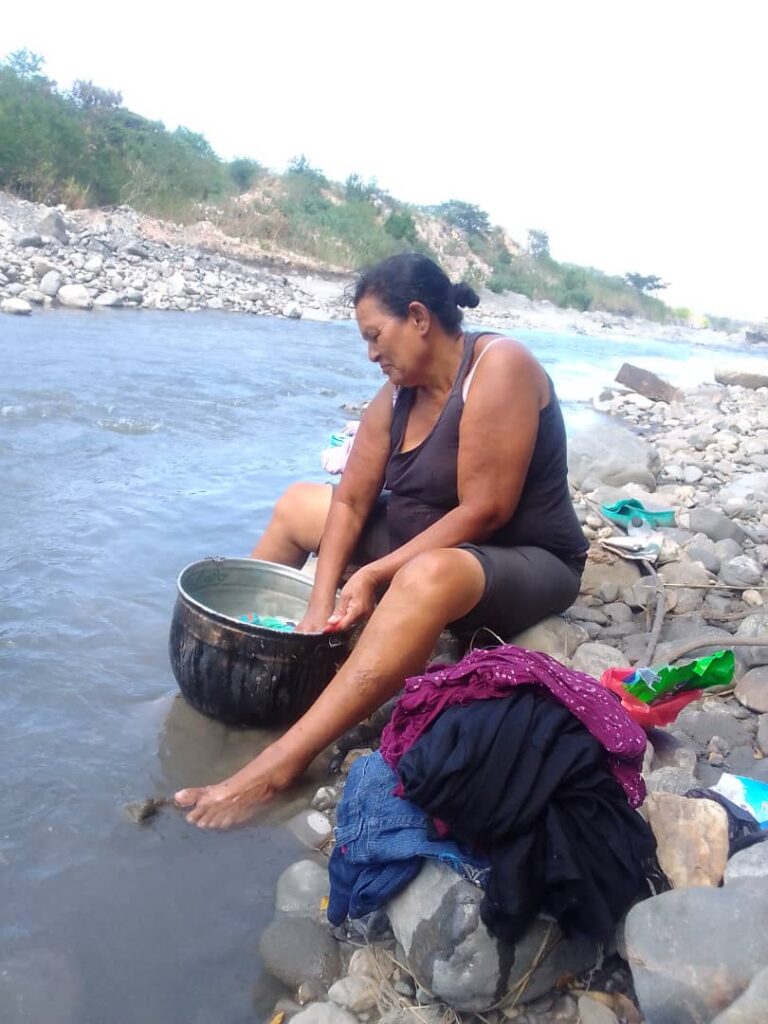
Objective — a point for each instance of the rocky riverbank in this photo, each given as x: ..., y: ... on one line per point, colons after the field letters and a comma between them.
x: 696, y: 953
x: 119, y: 258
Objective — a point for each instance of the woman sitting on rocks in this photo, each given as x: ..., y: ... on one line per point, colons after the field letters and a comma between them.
x: 454, y: 504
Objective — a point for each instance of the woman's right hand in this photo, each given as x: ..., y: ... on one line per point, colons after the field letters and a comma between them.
x: 316, y: 617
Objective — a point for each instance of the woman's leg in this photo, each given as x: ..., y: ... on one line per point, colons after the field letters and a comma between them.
x: 296, y: 526
x: 433, y: 589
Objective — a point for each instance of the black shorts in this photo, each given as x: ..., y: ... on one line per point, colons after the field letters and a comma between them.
x: 523, y: 585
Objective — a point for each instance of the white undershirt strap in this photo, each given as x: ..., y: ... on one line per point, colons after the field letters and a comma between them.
x: 470, y: 375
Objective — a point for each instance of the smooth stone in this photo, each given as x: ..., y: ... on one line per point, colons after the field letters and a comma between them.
x: 752, y: 689
x: 742, y: 378
x: 74, y: 296
x: 670, y: 780
x: 298, y: 949
x: 762, y: 734
x: 301, y: 888
x: 371, y: 962
x: 554, y: 636
x: 51, y: 283
x: 715, y: 525
x: 750, y: 1007
x: 610, y: 454
x: 741, y: 571
x: 108, y: 300
x: 621, y: 573
x: 727, y: 549
x: 749, y: 863
x: 702, y: 549
x: 356, y: 993
x: 323, y: 1013
x: 292, y: 311
x: 593, y: 1012
x: 753, y: 625
x: 693, y: 951
x: 594, y: 659
x: 311, y: 828
x: 17, y: 307
x: 28, y: 240
x: 685, y: 573
x: 691, y: 838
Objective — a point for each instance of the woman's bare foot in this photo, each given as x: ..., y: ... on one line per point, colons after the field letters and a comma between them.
x: 235, y: 800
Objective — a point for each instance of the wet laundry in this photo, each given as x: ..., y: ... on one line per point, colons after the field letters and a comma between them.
x: 487, y: 674
x: 382, y: 841
x: 523, y: 779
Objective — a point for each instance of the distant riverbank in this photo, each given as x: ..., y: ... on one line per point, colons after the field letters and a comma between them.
x: 92, y: 259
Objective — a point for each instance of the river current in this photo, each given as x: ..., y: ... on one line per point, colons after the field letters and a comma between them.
x: 132, y: 444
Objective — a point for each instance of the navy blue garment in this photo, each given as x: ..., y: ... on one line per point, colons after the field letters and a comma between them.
x: 524, y: 780
x: 381, y: 843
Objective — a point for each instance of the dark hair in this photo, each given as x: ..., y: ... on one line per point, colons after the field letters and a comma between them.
x: 410, y: 277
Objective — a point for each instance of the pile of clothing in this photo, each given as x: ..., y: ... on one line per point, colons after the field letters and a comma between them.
x: 521, y: 775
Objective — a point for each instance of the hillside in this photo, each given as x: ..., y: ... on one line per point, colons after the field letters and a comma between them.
x: 82, y: 148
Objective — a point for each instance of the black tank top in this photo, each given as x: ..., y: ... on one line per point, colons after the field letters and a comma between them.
x: 423, y: 482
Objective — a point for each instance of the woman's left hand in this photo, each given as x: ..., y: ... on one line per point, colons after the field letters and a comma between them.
x: 356, y: 601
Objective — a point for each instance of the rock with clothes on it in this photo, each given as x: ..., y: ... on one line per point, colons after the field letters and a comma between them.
x: 450, y: 952
x: 691, y: 838
x: 693, y: 951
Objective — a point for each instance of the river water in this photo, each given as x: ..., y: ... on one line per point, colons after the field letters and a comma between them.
x: 131, y: 444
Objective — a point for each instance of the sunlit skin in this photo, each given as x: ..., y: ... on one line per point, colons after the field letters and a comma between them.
x: 429, y: 582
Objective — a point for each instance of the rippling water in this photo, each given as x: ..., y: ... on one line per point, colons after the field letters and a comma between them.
x: 130, y: 445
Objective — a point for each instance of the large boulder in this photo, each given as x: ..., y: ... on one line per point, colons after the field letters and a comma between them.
x: 715, y: 525
x: 74, y: 296
x: 52, y: 225
x: 744, y: 378
x: 693, y: 951
x: 449, y: 951
x: 612, y: 454
x: 19, y: 307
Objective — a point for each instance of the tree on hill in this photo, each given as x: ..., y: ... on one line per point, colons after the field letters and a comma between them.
x: 244, y: 172
x: 538, y: 244
x: 646, y: 283
x: 465, y: 216
x: 87, y: 96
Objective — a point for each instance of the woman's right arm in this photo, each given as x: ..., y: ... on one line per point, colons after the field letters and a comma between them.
x: 351, y: 505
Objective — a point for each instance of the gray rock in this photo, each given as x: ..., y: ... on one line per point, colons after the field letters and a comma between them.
x: 741, y: 571
x: 752, y: 689
x: 594, y: 659
x: 670, y: 780
x: 715, y: 525
x: 54, y: 226
x: 134, y: 296
x: 672, y: 749
x: 702, y: 725
x: 685, y: 573
x: 176, y: 285
x: 19, y: 307
x: 762, y: 734
x: 581, y: 613
x: 324, y: 1013
x: 51, y: 283
x: 728, y: 548
x: 554, y: 636
x: 292, y: 310
x: 74, y: 296
x: 702, y: 549
x: 301, y: 888
x: 743, y: 378
x: 449, y: 951
x: 693, y: 951
x: 108, y: 300
x: 752, y: 487
x: 136, y: 248
x: 750, y: 1007
x: 621, y: 574
x: 32, y: 295
x: 298, y: 949
x: 749, y: 863
x: 94, y: 264
x: 692, y: 474
x: 42, y: 267
x: 753, y: 625
x: 618, y: 612
x: 28, y: 240
x: 612, y: 454
x: 311, y: 828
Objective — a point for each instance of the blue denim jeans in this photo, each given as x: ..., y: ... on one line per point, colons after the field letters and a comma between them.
x: 381, y: 843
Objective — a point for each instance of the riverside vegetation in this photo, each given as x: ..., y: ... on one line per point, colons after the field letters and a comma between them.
x: 82, y: 148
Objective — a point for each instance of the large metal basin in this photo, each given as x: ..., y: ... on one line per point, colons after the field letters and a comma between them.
x: 242, y: 674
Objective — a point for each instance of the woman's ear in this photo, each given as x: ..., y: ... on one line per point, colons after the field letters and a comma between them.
x: 420, y: 317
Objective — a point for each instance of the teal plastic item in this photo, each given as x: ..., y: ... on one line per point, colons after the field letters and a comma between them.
x: 622, y: 512
x: 270, y: 622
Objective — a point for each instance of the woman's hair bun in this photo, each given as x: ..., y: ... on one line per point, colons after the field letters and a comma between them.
x: 465, y: 295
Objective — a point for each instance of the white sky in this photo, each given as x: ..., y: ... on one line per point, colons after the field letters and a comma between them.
x: 634, y: 133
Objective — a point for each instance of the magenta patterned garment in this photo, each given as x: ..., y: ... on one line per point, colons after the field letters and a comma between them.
x: 485, y: 674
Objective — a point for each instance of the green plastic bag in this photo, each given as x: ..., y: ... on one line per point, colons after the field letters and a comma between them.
x: 648, y: 684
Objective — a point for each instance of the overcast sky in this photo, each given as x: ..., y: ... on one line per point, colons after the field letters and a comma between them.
x: 633, y: 133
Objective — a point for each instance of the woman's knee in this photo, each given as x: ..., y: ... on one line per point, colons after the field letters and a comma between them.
x: 434, y: 571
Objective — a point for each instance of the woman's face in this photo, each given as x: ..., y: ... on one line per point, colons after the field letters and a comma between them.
x: 398, y: 346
